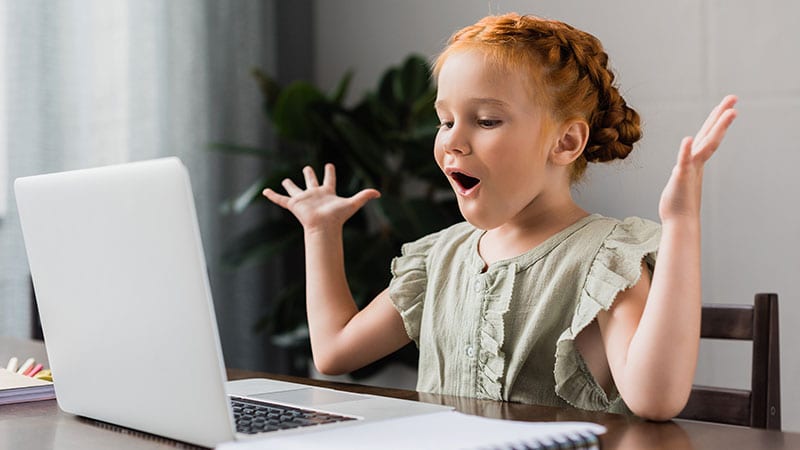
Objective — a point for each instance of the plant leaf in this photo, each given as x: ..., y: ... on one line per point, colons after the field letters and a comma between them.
x: 386, y: 95
x: 412, y: 218
x: 246, y: 198
x: 342, y: 87
x: 262, y: 242
x: 365, y: 152
x: 422, y: 110
x: 414, y: 79
x: 269, y: 88
x: 291, y: 112
x: 282, y: 305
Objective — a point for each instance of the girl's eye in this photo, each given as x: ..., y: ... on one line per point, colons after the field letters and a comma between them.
x: 445, y: 124
x: 489, y: 123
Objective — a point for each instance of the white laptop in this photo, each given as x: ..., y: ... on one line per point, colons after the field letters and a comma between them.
x: 123, y: 294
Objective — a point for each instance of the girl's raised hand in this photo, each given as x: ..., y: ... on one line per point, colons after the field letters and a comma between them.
x: 681, y: 197
x: 318, y: 207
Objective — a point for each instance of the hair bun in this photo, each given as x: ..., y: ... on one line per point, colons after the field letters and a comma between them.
x: 614, y: 130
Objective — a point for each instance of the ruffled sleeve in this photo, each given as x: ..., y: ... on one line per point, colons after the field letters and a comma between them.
x: 616, y: 267
x: 409, y: 281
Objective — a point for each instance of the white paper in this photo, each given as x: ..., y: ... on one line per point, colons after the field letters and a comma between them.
x: 440, y: 431
x: 15, y: 388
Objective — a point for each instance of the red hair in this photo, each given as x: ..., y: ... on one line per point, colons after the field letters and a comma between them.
x: 567, y: 68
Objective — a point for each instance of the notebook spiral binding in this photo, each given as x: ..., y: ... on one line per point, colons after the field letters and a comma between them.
x: 576, y: 440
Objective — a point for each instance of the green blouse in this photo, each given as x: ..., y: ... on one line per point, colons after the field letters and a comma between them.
x: 507, y: 333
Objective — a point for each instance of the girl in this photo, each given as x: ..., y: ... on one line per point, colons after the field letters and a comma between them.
x: 532, y: 299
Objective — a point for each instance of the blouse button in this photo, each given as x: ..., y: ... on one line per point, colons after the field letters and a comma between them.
x: 470, y: 351
x: 478, y: 285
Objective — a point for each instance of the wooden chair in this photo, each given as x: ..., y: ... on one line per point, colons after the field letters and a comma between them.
x: 760, y: 407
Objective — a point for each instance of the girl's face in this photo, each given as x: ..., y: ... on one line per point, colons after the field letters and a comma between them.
x: 493, y: 142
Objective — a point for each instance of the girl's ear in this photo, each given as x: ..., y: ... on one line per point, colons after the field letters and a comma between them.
x: 571, y: 143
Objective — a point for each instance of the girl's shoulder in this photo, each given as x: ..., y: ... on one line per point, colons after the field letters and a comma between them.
x: 589, y: 238
x: 636, y: 228
x: 632, y: 226
x: 615, y: 233
x: 631, y: 236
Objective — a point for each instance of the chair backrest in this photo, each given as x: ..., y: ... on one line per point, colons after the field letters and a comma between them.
x: 760, y: 407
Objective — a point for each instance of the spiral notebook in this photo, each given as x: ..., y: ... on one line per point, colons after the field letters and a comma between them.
x: 16, y: 388
x: 449, y: 430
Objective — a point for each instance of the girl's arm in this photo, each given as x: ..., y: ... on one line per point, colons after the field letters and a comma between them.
x: 652, y: 333
x: 342, y: 337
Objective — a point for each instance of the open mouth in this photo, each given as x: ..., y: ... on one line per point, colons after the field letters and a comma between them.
x: 465, y: 181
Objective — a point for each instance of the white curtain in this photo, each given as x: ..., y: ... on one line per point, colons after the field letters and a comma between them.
x: 95, y: 82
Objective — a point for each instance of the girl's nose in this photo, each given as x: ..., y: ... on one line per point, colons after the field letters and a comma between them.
x: 456, y: 142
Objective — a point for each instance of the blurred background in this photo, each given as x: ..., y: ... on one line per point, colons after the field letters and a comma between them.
x: 94, y: 82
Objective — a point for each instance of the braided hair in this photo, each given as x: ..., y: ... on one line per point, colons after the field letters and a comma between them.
x: 568, y: 70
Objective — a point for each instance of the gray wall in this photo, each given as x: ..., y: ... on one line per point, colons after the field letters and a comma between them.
x: 674, y: 61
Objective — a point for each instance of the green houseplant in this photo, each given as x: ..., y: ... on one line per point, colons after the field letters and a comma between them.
x: 384, y: 140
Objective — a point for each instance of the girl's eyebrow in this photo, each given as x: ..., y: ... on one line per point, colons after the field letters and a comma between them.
x: 477, y: 101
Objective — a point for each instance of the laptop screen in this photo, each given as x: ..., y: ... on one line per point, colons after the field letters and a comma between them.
x: 120, y: 279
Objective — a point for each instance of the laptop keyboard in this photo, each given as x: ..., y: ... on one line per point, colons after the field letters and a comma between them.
x: 253, y: 417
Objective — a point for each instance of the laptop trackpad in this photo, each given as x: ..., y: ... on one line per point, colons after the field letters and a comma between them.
x: 309, y: 397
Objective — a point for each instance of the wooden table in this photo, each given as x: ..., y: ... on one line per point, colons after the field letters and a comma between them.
x: 41, y: 425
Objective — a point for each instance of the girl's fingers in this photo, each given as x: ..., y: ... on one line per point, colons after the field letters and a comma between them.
x: 310, y: 177
x: 274, y: 197
x: 362, y: 197
x: 714, y: 116
x: 721, y: 126
x: 290, y: 187
x: 711, y: 141
x: 329, y: 180
x: 685, y: 152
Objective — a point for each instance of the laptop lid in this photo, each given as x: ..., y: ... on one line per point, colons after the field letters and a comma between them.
x: 121, y: 284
